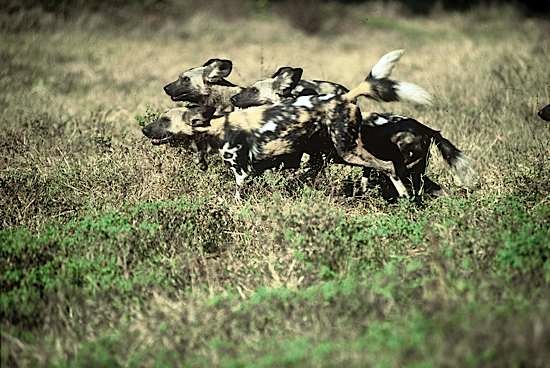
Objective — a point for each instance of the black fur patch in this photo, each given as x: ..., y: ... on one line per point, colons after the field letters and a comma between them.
x: 384, y: 89
x: 544, y: 113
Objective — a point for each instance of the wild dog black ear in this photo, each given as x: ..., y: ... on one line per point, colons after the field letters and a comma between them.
x: 287, y: 79
x: 217, y: 69
x: 308, y: 92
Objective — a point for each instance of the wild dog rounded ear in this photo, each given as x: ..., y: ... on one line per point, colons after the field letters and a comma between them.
x: 286, y: 79
x: 217, y: 69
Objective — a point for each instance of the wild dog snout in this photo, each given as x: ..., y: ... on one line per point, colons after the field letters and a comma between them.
x: 171, y: 89
x: 157, y: 131
x: 146, y: 130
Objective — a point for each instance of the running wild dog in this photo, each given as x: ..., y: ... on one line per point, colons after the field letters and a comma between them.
x: 253, y: 140
x: 382, y: 133
x: 206, y: 85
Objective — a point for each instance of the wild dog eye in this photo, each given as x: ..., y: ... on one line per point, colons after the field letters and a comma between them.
x: 185, y: 79
x: 254, y: 90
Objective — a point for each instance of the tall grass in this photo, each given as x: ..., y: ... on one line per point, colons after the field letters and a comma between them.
x: 114, y: 252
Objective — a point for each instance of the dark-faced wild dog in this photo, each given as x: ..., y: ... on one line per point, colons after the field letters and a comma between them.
x: 205, y: 85
x: 253, y: 140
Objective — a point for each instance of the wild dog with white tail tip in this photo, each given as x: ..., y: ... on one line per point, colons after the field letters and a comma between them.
x: 206, y: 85
x: 253, y: 140
x: 386, y: 132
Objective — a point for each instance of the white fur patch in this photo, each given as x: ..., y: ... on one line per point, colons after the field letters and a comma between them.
x: 325, y: 97
x: 412, y: 92
x: 268, y: 127
x: 226, y: 149
x: 384, y: 66
x: 303, y: 101
x: 381, y: 121
x: 239, y: 181
x: 399, y: 186
x: 463, y: 170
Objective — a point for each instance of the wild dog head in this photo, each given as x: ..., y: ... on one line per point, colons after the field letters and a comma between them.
x: 269, y: 91
x: 194, y: 84
x: 177, y: 125
x: 544, y: 113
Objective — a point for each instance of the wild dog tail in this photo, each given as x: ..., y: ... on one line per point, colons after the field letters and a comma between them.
x: 458, y: 162
x: 380, y: 87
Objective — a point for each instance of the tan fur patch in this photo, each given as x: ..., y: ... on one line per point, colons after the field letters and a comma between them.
x: 216, y: 128
x: 363, y: 89
x: 276, y: 147
x: 177, y: 124
x: 403, y: 138
x: 247, y: 120
x: 303, y: 117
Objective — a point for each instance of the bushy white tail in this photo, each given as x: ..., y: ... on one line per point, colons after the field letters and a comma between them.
x: 413, y: 93
x: 380, y: 87
x: 459, y: 164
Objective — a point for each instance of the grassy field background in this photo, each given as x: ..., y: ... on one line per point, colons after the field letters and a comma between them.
x: 114, y: 252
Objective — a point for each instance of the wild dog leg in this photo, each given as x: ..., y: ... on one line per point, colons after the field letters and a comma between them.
x: 360, y: 156
x: 230, y: 156
x: 200, y: 155
x: 315, y: 165
x: 422, y: 183
x: 240, y: 176
x: 401, y: 171
x: 366, y: 177
x: 349, y: 146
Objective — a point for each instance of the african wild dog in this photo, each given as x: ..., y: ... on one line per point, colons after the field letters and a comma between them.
x: 382, y: 133
x: 253, y: 140
x: 206, y: 86
x: 386, y: 131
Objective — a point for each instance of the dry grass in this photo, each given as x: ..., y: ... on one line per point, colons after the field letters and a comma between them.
x: 115, y: 252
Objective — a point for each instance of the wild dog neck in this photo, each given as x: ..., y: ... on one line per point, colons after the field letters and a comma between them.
x: 214, y: 133
x: 220, y: 97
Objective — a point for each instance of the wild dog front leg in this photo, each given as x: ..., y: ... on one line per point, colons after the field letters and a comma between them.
x: 315, y: 165
x: 200, y: 155
x: 394, y: 170
x: 230, y: 155
x: 240, y: 176
x: 355, y: 154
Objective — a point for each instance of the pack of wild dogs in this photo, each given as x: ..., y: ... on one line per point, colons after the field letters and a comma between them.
x: 272, y: 123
